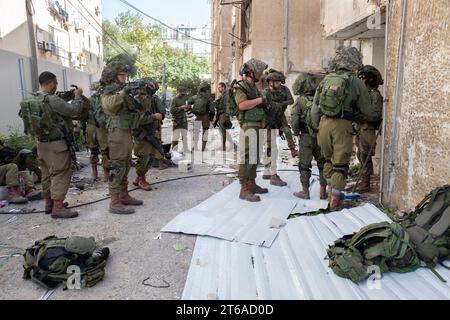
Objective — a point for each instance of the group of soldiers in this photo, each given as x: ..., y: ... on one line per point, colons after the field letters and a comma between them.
x: 123, y: 117
x: 331, y: 110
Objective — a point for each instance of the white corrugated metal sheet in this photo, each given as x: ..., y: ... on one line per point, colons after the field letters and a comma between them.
x: 295, y: 268
x: 227, y: 217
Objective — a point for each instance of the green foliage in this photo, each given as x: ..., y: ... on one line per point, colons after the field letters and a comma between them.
x: 153, y: 56
x: 355, y: 170
x: 191, y: 85
x: 17, y: 140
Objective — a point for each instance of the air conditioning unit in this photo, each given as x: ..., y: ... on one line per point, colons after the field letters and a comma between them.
x: 47, y: 46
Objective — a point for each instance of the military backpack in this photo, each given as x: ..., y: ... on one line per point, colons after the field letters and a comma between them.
x: 51, y: 261
x: 335, y: 89
x: 379, y: 247
x: 429, y: 228
x: 36, y: 115
x: 201, y: 105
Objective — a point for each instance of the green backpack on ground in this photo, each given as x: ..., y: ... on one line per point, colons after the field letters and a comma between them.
x: 36, y: 115
x: 335, y: 90
x: 48, y: 261
x: 383, y: 245
x: 429, y: 228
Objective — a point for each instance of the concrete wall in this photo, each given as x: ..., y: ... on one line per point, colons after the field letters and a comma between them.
x: 416, y: 142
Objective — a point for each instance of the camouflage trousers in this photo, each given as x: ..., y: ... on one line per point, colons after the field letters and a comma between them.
x: 56, y: 166
x: 180, y: 131
x: 309, y: 150
x: 249, y: 151
x: 270, y: 152
x: 9, y: 176
x: 98, y: 144
x: 203, y: 128
x: 120, y: 145
x: 336, y: 142
x: 366, y: 138
x: 287, y: 132
x: 146, y: 153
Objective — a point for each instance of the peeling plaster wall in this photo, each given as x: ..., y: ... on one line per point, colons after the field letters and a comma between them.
x: 421, y: 146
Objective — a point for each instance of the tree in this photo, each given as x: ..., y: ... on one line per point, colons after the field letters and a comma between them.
x: 153, y: 56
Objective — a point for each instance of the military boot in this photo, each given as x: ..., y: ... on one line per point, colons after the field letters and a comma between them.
x: 323, y: 192
x: 94, y: 172
x: 117, y: 207
x: 304, y: 194
x: 15, y: 196
x: 256, y: 189
x: 143, y: 184
x: 48, y: 205
x: 364, y: 185
x: 33, y: 195
x: 275, y: 180
x: 61, y: 212
x: 247, y: 194
x: 127, y: 200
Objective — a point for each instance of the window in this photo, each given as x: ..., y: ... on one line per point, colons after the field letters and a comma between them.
x: 246, y: 21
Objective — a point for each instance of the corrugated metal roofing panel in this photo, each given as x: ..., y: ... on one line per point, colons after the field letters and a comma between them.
x: 295, y: 268
x: 227, y: 217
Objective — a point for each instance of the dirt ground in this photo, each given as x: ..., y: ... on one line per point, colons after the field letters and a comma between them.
x: 138, y: 250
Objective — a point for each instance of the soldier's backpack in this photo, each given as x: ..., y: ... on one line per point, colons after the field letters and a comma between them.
x: 335, y: 90
x: 99, y: 114
x: 232, y: 107
x: 379, y: 247
x: 53, y: 260
x: 429, y: 228
x: 201, y: 105
x: 36, y: 115
x: 306, y: 114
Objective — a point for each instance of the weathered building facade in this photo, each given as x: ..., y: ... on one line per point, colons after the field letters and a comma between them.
x: 64, y: 37
x: 407, y: 40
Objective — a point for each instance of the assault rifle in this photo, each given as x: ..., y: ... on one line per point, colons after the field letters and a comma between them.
x: 148, y: 132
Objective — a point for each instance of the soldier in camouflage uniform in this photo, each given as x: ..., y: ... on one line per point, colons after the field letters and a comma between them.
x: 97, y: 134
x: 341, y: 99
x: 223, y: 120
x: 123, y: 117
x: 159, y: 113
x: 305, y: 87
x: 143, y: 149
x: 252, y: 119
x: 367, y: 131
x: 281, y: 99
x: 180, y: 123
x: 202, y: 107
x: 52, y: 148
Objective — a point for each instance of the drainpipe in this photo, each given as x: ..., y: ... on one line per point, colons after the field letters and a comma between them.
x: 29, y: 7
x: 398, y: 90
x: 286, y: 37
x: 386, y: 57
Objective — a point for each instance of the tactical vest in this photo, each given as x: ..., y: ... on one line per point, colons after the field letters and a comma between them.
x: 253, y: 115
x: 39, y: 120
x: 429, y: 227
x: 48, y: 262
x: 120, y: 109
x: 335, y: 90
x: 384, y: 246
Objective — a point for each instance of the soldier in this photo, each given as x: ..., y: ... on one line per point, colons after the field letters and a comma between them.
x: 281, y: 99
x: 97, y: 134
x: 180, y: 123
x: 252, y: 119
x: 123, y: 117
x: 340, y: 99
x: 367, y: 131
x: 202, y: 107
x: 223, y: 120
x: 143, y: 148
x: 53, y: 131
x: 159, y: 114
x: 305, y: 86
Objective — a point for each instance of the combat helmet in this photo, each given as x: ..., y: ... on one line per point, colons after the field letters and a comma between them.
x: 274, y: 75
x: 346, y: 58
x: 119, y: 63
x: 204, y: 87
x: 255, y: 65
x: 307, y: 83
x: 373, y: 71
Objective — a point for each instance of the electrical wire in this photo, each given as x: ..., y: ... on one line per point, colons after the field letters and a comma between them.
x: 167, y: 26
